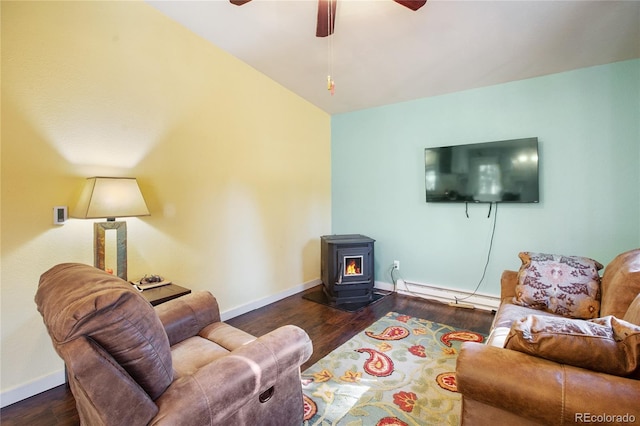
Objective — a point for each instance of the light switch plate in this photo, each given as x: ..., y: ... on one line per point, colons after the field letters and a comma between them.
x: 59, y: 215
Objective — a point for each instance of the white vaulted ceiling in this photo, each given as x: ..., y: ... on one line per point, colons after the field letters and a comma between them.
x: 384, y: 53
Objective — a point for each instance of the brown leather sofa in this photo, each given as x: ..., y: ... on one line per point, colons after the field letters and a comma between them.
x: 501, y: 386
x: 175, y: 364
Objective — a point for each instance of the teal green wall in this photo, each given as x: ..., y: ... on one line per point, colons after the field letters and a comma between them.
x: 588, y: 125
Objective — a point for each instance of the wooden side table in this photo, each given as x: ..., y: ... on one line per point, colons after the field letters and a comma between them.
x: 159, y: 295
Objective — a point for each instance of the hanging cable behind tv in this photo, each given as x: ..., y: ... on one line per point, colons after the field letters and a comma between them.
x: 457, y: 303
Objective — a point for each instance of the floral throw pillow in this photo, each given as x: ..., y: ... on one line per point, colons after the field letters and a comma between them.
x: 563, y: 285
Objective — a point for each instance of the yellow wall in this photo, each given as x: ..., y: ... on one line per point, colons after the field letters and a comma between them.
x: 235, y: 168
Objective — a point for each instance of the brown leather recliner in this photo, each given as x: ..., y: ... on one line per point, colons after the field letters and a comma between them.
x: 175, y: 364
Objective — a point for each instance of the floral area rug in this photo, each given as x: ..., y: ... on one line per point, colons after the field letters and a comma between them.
x: 399, y: 371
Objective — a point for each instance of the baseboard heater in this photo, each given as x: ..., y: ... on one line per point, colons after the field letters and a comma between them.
x: 448, y: 295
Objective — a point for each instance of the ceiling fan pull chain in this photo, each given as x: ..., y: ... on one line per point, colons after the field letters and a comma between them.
x: 331, y: 85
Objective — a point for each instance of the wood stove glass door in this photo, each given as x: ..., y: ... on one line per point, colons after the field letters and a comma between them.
x: 354, y: 265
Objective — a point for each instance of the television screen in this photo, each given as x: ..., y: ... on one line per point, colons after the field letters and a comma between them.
x: 501, y: 171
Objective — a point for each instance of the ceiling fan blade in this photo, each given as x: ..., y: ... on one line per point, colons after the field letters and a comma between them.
x: 239, y: 2
x: 412, y: 4
x: 326, y: 17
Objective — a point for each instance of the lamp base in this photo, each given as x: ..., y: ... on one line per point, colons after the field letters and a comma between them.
x: 99, y: 229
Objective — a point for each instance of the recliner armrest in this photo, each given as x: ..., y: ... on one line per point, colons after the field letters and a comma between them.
x: 185, y: 316
x: 220, y: 389
x: 539, y: 389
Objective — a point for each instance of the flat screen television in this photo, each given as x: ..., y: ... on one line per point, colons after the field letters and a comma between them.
x: 501, y: 171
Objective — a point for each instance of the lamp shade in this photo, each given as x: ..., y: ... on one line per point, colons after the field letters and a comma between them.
x: 110, y: 197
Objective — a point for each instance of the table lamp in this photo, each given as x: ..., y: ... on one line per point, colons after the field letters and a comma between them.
x: 110, y: 198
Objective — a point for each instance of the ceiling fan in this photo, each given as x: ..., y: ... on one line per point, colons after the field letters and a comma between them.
x: 327, y: 13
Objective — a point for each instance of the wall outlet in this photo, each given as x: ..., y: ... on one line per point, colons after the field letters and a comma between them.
x: 396, y: 264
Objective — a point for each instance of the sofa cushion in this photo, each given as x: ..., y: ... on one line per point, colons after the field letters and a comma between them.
x: 620, y: 283
x: 607, y: 344
x: 563, y: 285
x: 507, y: 314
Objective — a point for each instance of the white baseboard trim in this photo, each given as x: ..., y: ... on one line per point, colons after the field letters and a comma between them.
x: 39, y: 385
x: 232, y: 313
x: 18, y: 393
x: 442, y: 294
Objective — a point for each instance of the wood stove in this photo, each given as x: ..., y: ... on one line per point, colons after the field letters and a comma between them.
x: 347, y: 269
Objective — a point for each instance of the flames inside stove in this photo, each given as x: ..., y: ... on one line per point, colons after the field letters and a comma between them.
x: 353, y: 265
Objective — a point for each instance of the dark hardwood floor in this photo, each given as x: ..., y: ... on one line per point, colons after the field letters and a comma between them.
x: 327, y: 327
